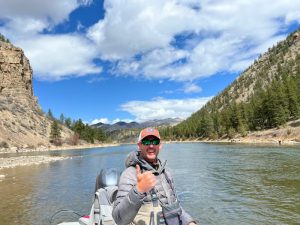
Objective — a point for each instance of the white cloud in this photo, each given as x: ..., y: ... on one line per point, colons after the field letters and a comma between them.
x: 101, y: 120
x: 132, y: 27
x: 46, y: 12
x: 192, y: 88
x: 293, y: 16
x: 53, y: 57
x: 181, y: 40
x: 160, y: 108
x: 223, y: 35
x: 60, y: 56
x: 151, y: 64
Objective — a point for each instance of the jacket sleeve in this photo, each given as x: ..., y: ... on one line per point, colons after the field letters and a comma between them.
x: 129, y: 200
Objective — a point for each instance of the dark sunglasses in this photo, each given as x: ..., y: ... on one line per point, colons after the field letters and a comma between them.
x: 149, y: 142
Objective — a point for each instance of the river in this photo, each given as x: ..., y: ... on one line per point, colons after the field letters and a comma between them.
x: 216, y: 183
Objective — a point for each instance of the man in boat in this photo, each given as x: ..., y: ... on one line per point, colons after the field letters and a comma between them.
x: 146, y: 193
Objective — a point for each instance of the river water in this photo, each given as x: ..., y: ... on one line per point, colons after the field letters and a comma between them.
x: 216, y: 183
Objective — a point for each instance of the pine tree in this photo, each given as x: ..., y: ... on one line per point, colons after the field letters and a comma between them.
x: 62, y: 118
x: 292, y: 96
x: 78, y: 127
x: 99, y: 134
x: 50, y: 115
x: 2, y: 38
x: 68, y: 122
x: 55, y: 134
x: 280, y: 110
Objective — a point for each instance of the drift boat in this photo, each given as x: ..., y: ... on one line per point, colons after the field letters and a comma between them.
x: 105, y: 194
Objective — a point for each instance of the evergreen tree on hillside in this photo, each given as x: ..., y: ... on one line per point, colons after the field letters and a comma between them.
x: 68, y: 123
x: 88, y: 133
x: 79, y: 127
x: 206, y: 126
x: 55, y: 134
x: 278, y: 110
x: 293, y: 97
x: 62, y: 118
x: 99, y: 135
x: 2, y: 38
x: 50, y: 115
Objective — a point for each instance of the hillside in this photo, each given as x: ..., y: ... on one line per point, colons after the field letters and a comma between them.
x: 22, y: 121
x: 265, y: 96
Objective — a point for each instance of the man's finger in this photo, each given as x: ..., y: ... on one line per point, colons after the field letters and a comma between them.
x: 138, y: 170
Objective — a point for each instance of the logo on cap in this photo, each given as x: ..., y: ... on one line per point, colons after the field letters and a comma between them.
x: 150, y: 130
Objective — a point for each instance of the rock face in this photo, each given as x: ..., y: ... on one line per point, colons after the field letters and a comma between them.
x: 22, y: 122
x: 15, y: 72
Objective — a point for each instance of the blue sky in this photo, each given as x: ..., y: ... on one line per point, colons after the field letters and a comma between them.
x: 140, y: 59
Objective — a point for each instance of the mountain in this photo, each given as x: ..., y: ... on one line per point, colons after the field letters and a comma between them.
x: 22, y: 121
x: 123, y: 132
x: 134, y: 125
x: 266, y: 95
x: 162, y: 122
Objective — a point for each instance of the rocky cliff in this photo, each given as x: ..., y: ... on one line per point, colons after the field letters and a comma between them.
x: 22, y: 122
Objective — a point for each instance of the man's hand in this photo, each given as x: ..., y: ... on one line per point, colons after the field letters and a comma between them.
x: 145, y: 181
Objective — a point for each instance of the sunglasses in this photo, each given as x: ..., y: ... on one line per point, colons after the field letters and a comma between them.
x: 149, y: 142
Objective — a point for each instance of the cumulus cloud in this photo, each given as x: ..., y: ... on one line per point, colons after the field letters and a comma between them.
x: 218, y: 35
x: 132, y: 27
x: 160, y: 108
x: 58, y: 57
x: 192, y: 88
x: 53, y: 57
x: 54, y: 10
x: 181, y: 40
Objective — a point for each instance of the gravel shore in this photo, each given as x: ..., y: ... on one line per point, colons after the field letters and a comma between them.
x: 10, y: 162
x: 26, y: 160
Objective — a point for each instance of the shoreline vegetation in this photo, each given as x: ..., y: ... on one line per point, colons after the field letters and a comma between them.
x: 286, y: 136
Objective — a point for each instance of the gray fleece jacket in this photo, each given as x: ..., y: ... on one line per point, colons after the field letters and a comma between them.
x: 129, y: 200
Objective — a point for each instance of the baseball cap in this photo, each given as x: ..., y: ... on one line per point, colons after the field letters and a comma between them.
x: 149, y: 131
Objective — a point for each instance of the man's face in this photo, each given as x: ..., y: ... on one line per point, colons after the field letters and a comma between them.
x: 149, y: 148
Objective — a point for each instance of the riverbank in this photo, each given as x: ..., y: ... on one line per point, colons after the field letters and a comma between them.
x: 241, y: 141
x: 11, y: 162
x: 54, y: 148
x: 286, y: 135
x: 289, y: 134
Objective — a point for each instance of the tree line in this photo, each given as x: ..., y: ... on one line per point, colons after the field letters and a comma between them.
x: 81, y: 131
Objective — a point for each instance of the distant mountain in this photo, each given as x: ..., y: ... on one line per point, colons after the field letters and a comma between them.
x: 134, y: 125
x: 128, y: 132
x: 266, y: 95
x: 162, y: 122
